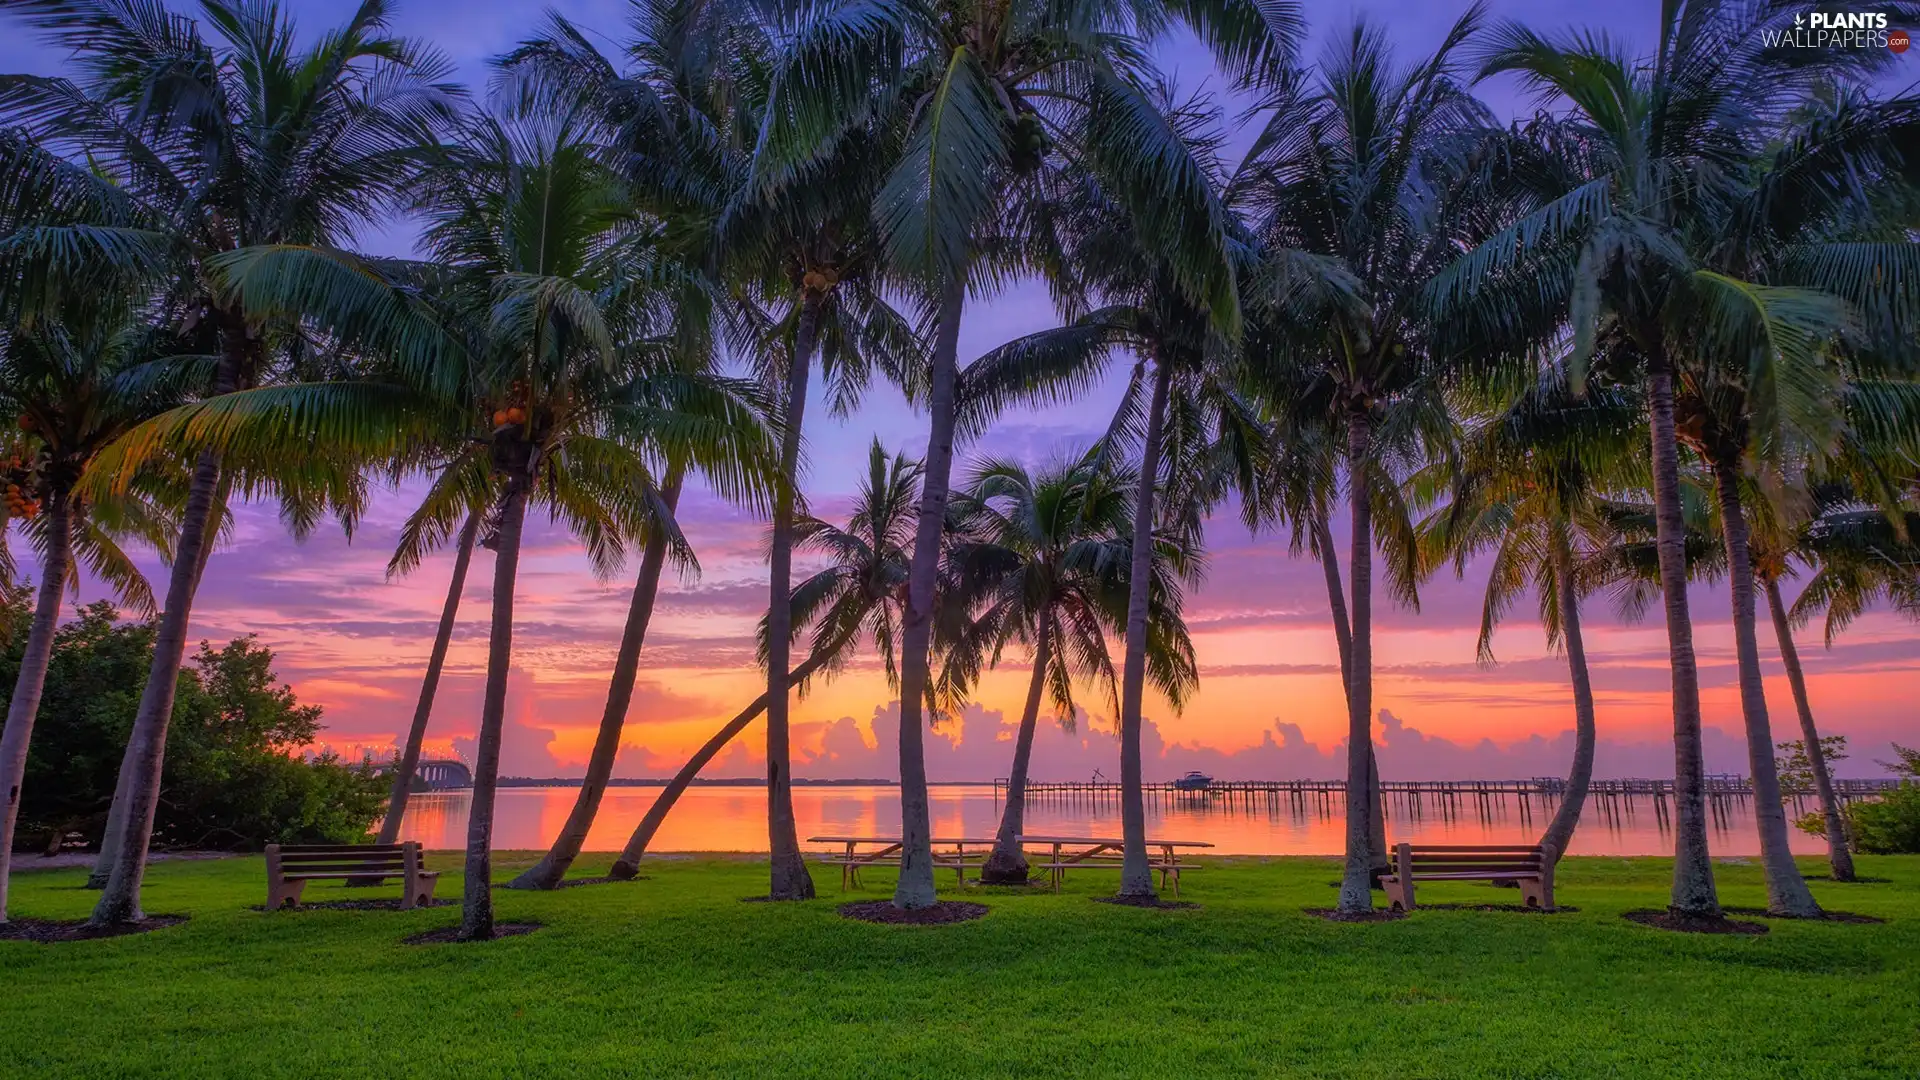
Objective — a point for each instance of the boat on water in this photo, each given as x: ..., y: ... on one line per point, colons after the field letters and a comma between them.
x: 1193, y: 781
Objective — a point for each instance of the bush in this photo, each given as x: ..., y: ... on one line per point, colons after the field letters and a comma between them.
x: 232, y: 779
x: 1889, y: 825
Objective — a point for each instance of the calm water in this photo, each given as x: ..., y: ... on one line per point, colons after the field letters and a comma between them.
x: 734, y: 819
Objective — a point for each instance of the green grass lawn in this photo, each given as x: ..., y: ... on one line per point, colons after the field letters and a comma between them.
x: 674, y: 976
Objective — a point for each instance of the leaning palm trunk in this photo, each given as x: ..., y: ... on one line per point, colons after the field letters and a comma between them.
x: 1787, y: 892
x: 1560, y: 830
x: 1693, y: 888
x: 109, y: 853
x: 1136, y: 873
x: 790, y: 880
x: 416, y: 734
x: 552, y: 868
x: 915, y: 888
x: 1007, y: 865
x: 476, y: 902
x: 1839, y: 852
x: 1355, y: 892
x: 1343, y: 636
x: 628, y: 864
x: 25, y: 705
x: 137, y: 794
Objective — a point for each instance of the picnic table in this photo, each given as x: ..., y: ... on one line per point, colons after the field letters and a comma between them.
x: 1089, y: 852
x: 860, y: 852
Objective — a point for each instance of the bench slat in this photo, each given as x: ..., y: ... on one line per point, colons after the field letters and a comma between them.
x: 373, y: 849
x: 1465, y: 877
x: 356, y: 870
x: 319, y: 875
x: 1476, y: 847
x: 1464, y: 867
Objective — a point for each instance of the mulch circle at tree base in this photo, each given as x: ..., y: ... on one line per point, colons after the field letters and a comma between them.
x: 1150, y: 902
x: 883, y: 911
x: 1691, y: 924
x: 450, y: 935
x: 48, y: 931
x: 1824, y: 916
x: 1376, y: 915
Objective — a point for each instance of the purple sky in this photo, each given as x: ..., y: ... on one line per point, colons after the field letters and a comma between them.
x: 1269, y: 704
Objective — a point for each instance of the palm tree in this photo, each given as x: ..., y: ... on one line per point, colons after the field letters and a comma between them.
x: 544, y: 317
x: 77, y: 380
x: 1371, y: 170
x: 987, y: 89
x: 695, y: 140
x: 202, y: 147
x: 1528, y: 487
x: 1855, y: 553
x: 409, y: 759
x: 1043, y: 559
x: 1644, y: 220
x: 860, y: 594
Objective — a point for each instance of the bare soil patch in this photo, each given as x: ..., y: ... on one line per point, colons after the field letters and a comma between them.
x: 1824, y: 916
x: 1690, y: 924
x: 451, y: 934
x: 47, y: 931
x: 940, y: 914
x: 1153, y: 903
x: 1376, y: 915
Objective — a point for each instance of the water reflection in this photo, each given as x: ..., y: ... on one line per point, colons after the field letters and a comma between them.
x: 734, y: 819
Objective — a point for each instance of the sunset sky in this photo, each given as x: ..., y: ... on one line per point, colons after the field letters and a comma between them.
x: 1270, y: 704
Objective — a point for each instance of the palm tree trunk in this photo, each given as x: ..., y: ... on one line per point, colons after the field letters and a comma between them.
x: 915, y: 888
x: 1839, y: 852
x: 1693, y: 892
x: 1377, y: 860
x: 552, y: 868
x: 1007, y: 865
x: 416, y: 733
x: 25, y: 704
x: 790, y: 880
x: 1355, y: 884
x: 1136, y: 873
x: 628, y: 864
x: 138, y: 784
x: 1559, y: 832
x: 117, y: 811
x: 1787, y: 892
x: 137, y: 792
x: 476, y: 902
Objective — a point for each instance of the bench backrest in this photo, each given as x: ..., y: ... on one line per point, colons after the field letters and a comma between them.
x: 1472, y: 858
x: 343, y: 858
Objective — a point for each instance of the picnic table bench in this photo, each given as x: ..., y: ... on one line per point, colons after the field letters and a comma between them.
x: 851, y: 859
x: 1092, y: 853
x: 291, y: 866
x: 1528, y: 866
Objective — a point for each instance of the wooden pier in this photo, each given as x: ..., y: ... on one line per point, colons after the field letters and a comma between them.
x: 1439, y: 798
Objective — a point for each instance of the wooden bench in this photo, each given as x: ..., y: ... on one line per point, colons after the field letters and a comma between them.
x: 1093, y: 853
x: 1530, y: 867
x: 851, y: 859
x: 291, y: 866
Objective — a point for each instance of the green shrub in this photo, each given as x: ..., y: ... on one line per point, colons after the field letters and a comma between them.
x: 232, y: 779
x: 1889, y: 825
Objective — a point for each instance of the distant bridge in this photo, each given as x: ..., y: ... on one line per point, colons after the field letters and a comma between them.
x: 444, y: 775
